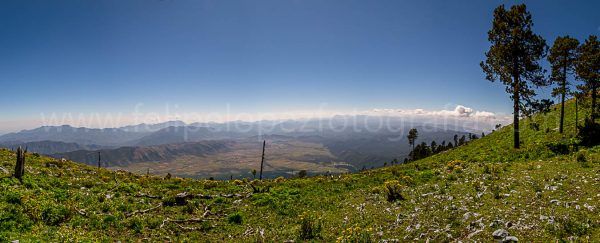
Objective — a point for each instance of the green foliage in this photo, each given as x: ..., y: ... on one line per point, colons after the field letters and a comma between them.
x: 235, y: 218
x: 589, y: 133
x: 136, y: 224
x: 310, y: 227
x: 393, y: 190
x: 54, y: 214
x: 514, y: 56
x: 576, y: 224
x: 559, y: 148
x: 356, y: 234
x: 588, y: 70
x: 129, y: 188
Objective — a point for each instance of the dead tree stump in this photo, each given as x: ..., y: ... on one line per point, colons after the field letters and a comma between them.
x: 20, y: 166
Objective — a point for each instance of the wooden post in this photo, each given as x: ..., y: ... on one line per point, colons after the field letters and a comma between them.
x: 99, y: 160
x: 262, y: 161
x: 20, y: 166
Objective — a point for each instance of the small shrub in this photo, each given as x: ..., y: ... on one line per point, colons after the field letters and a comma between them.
x: 279, y: 179
x: 209, y: 184
x: 589, y: 133
x: 487, y: 169
x: 136, y: 224
x: 582, y: 160
x: 302, y: 174
x: 190, y: 208
x: 455, y: 165
x: 168, y: 201
x: 310, y: 227
x: 496, y: 192
x: 393, y: 190
x: 238, y: 182
x: 559, y: 148
x: 235, y: 218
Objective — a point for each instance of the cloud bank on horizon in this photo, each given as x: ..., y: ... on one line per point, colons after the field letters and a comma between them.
x: 461, y: 115
x: 459, y: 111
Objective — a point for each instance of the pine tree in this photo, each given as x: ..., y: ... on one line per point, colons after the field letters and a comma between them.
x: 456, y: 139
x: 588, y: 69
x: 413, y: 134
x: 514, y: 56
x: 562, y: 58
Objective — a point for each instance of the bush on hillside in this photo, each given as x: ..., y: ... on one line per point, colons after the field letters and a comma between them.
x: 393, y: 190
x: 235, y: 218
x: 589, y: 133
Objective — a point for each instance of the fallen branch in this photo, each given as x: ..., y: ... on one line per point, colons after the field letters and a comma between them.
x: 81, y: 212
x: 182, y: 198
x: 142, y: 211
x: 148, y: 196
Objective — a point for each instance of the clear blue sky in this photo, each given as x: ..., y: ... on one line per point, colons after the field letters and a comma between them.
x: 257, y: 56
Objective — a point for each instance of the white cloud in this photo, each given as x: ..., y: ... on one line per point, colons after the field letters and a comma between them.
x: 459, y: 111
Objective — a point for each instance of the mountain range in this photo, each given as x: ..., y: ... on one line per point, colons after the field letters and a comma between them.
x: 363, y: 143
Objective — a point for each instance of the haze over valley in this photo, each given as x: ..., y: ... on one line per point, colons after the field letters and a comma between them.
x: 222, y: 150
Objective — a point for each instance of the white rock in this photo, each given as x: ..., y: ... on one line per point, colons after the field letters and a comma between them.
x: 500, y: 234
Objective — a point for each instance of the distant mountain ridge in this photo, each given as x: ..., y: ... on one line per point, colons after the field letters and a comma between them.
x: 69, y: 134
x: 50, y: 147
x: 126, y: 155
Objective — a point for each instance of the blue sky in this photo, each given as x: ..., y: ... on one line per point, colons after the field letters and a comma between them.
x: 256, y: 56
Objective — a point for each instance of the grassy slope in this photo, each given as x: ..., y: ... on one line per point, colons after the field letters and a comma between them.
x: 495, y: 187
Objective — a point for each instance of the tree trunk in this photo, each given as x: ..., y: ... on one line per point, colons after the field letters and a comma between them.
x: 594, y: 103
x: 576, y: 115
x: 516, y: 97
x: 262, y: 161
x: 562, y: 102
x: 20, y: 166
x: 413, y: 152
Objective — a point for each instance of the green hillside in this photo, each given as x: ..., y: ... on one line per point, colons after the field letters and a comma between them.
x: 548, y: 190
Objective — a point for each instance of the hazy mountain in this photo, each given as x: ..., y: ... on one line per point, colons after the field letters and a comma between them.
x: 150, y: 128
x: 51, y: 147
x: 126, y: 155
x: 69, y: 134
x: 176, y: 135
